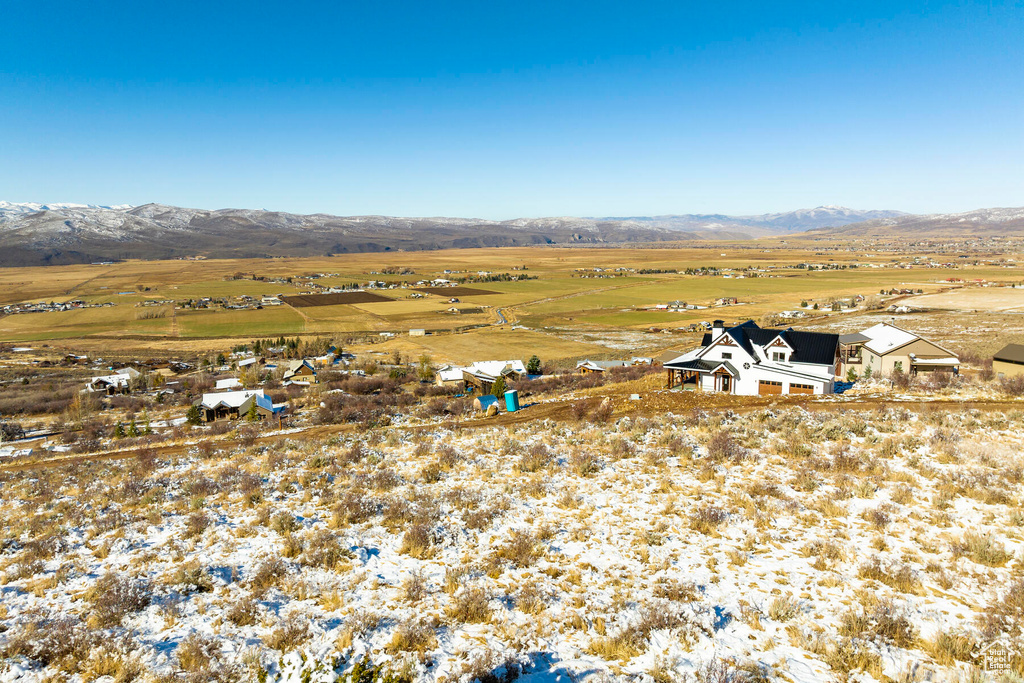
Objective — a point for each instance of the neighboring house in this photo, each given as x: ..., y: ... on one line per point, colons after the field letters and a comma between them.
x: 246, y: 362
x: 748, y: 360
x: 117, y: 383
x: 1009, y: 361
x: 232, y: 405
x: 300, y: 371
x: 448, y: 376
x: 885, y: 347
x: 670, y: 354
x: 482, y: 374
x: 585, y: 367
x: 227, y: 384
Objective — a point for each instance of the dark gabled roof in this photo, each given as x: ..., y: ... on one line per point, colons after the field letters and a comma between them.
x: 808, y: 347
x: 703, y: 366
x: 853, y: 338
x: 1011, y: 353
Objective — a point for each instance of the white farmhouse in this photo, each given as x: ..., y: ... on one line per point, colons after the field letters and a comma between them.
x: 748, y: 360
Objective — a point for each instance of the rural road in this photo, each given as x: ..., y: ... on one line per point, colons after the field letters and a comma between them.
x: 653, y: 403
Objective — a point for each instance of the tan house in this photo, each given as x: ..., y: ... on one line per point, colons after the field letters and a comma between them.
x: 885, y: 347
x: 1009, y: 361
x: 234, y: 405
x: 300, y: 371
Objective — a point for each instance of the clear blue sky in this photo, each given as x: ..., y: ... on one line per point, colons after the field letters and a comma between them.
x: 503, y: 109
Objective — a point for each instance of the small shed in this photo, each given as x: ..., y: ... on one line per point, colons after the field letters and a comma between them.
x: 485, y: 401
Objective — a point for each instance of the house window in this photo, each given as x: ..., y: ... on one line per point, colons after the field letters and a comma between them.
x: 779, y: 355
x: 726, y: 355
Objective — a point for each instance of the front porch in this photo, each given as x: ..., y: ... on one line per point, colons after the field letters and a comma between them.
x: 688, y: 379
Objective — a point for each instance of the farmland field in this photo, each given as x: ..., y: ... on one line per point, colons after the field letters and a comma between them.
x: 578, y: 295
x: 455, y: 291
x: 310, y: 300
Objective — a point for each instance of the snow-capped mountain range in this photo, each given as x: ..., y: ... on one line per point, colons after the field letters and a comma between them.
x: 979, y: 222
x: 54, y: 233
x: 780, y: 223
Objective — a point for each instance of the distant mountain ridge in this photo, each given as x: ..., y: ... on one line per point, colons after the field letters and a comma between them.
x: 61, y: 233
x: 769, y: 223
x: 976, y: 223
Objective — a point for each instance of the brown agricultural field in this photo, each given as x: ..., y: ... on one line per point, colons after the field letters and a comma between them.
x: 579, y: 301
x: 310, y: 300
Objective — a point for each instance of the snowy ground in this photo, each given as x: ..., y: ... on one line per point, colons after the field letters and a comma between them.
x: 774, y: 546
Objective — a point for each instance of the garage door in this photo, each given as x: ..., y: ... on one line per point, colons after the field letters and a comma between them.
x: 765, y: 387
x: 801, y: 388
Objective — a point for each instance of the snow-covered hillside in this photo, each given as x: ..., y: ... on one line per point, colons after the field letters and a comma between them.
x: 783, y: 545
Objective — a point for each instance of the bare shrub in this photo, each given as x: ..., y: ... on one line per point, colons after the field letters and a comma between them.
x: 414, y: 588
x: 530, y: 599
x: 578, y: 411
x: 949, y: 647
x: 884, y: 621
x: 783, y: 608
x: 324, y: 550
x: 893, y: 574
x: 723, y: 447
x: 492, y: 667
x: 412, y: 636
x: 290, y: 633
x: 584, y: 463
x: 268, y: 573
x: 677, y: 591
x: 1005, y: 614
x: 1012, y: 386
x: 60, y: 642
x: 983, y: 549
x: 243, y: 612
x: 191, y: 578
x: 536, y: 458
x: 431, y: 473
x: 632, y: 640
x: 471, y: 606
x: 198, y: 652
x: 708, y: 518
x: 113, y: 597
x: 284, y: 523
x: 353, y: 508
x: 418, y: 541
x: 196, y: 524
x: 522, y: 549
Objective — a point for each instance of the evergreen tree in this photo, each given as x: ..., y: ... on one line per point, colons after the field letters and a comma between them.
x: 252, y: 415
x: 194, y: 416
x: 499, y: 388
x: 119, y: 431
x: 851, y: 375
x: 533, y: 365
x: 133, y: 429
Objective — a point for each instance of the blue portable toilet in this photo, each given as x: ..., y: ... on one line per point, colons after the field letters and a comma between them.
x: 511, y: 400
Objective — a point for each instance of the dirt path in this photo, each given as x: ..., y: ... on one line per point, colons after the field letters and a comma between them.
x: 651, y: 404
